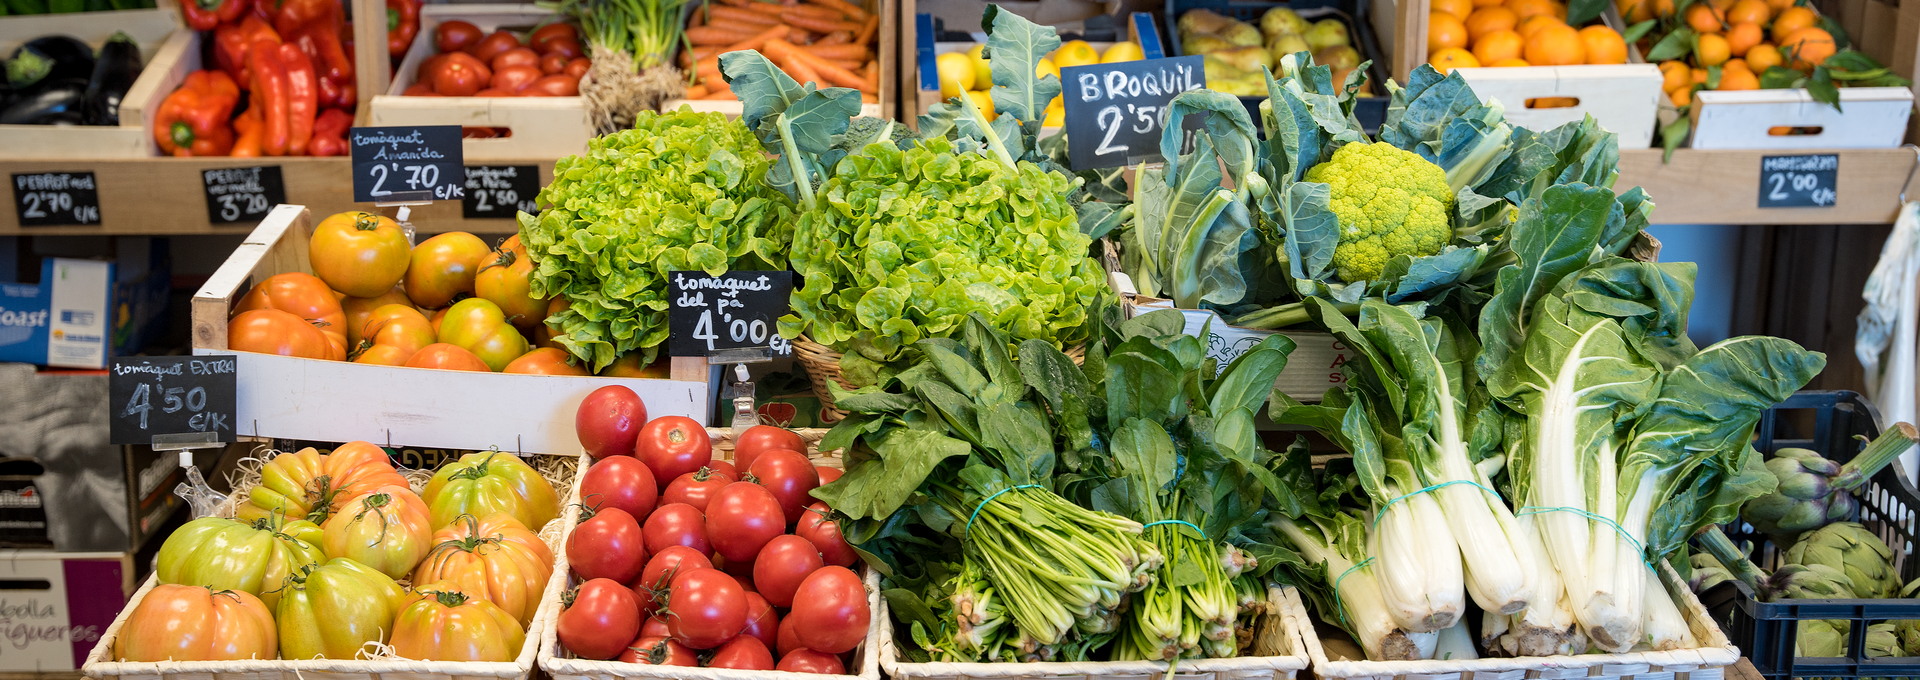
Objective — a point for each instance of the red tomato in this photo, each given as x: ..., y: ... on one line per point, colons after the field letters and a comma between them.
x: 568, y: 48
x: 544, y: 361
x: 762, y: 438
x: 828, y: 473
x: 607, y: 545
x: 724, y: 469
x: 443, y: 267
x: 513, y: 78
x: 518, y: 56
x: 551, y: 63
x: 495, y: 92
x: 271, y: 331
x: 577, y: 68
x: 741, y: 518
x: 741, y: 571
x: 659, y: 651
x: 672, y: 446
x: 820, y: 529
x: 695, y: 488
x: 561, y: 85
x: 782, y: 565
x: 745, y: 653
x: 458, y: 74
x: 786, y: 640
x: 654, y: 626
x: 609, y: 421
x: 545, y: 35
x: 661, y: 570
x: 619, y: 482
x: 600, y: 618
x: 677, y: 524
x: 492, y: 45
x: 447, y: 357
x: 762, y: 621
x: 456, y: 35
x: 830, y: 612
x: 809, y: 661
x: 420, y: 89
x: 790, y: 477
x: 708, y: 608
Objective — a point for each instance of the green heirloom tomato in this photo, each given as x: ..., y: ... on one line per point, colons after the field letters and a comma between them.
x: 223, y: 554
x: 478, y: 326
x: 485, y: 482
x: 333, y: 610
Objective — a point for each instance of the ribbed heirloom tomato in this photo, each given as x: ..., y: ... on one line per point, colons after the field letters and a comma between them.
x: 385, y: 528
x: 485, y: 482
x: 331, y: 611
x: 397, y: 332
x: 478, y: 326
x: 227, y: 555
x: 359, y: 253
x: 308, y: 485
x: 443, y: 623
x: 304, y: 296
x: 494, y: 557
x: 194, y: 623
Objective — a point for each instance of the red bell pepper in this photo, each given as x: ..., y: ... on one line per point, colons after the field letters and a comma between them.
x: 323, y: 44
x: 271, y: 95
x: 289, y: 16
x: 192, y: 121
x: 330, y: 133
x: 205, y: 15
x: 231, y: 42
x: 403, y: 23
x: 248, y: 143
x: 303, y: 98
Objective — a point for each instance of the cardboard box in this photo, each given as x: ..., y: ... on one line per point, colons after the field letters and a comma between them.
x: 63, y: 320
x: 55, y: 606
x: 1312, y: 368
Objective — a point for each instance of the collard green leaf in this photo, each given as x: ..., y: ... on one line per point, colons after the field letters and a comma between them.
x: 1015, y: 47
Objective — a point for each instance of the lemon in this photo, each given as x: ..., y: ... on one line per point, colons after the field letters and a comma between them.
x: 1122, y: 51
x: 982, y: 71
x: 1056, y: 114
x: 1076, y: 53
x: 1046, y: 68
x: 956, y: 73
x: 985, y: 102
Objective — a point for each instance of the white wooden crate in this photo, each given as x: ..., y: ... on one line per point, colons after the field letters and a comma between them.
x: 295, y: 398
x: 167, y: 53
x: 538, y: 127
x: 1622, y: 98
x: 1869, y: 118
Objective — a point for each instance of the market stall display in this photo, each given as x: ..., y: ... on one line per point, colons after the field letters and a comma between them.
x: 291, y: 62
x: 68, y: 77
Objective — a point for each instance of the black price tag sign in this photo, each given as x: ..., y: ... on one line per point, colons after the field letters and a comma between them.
x: 735, y: 310
x: 242, y: 194
x: 54, y: 199
x: 407, y: 164
x: 1810, y: 181
x: 1115, y: 112
x: 500, y: 191
x: 150, y: 396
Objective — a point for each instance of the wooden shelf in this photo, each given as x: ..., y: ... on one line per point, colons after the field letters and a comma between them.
x: 1722, y: 187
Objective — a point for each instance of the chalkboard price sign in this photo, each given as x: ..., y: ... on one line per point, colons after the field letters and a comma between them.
x: 242, y: 194
x: 1809, y: 181
x: 500, y: 191
x: 735, y: 310
x: 1115, y: 112
x: 51, y: 199
x: 407, y: 164
x: 149, y: 396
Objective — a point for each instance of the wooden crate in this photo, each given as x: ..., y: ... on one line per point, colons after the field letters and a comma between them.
x: 167, y: 51
x: 295, y: 398
x: 887, y: 51
x: 538, y: 127
x: 1870, y: 118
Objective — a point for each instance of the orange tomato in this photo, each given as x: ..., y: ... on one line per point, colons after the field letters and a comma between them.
x: 1743, y: 36
x: 544, y: 361
x: 357, y: 309
x: 358, y: 253
x: 1603, y: 45
x: 193, y: 623
x: 1497, y: 46
x: 1490, y: 19
x: 1444, y: 31
x: 629, y: 366
x: 1790, y: 20
x: 1702, y: 17
x: 302, y: 295
x: 1779, y: 6
x: 272, y: 331
x: 1711, y: 50
x: 1809, y: 47
x: 1556, y: 46
x: 447, y: 357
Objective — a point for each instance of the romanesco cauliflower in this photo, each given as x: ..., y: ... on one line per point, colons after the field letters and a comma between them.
x: 1390, y: 202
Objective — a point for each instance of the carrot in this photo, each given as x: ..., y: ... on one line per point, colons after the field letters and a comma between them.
x: 817, y: 24
x: 851, y: 65
x: 869, y: 98
x: 738, y: 3
x: 699, y: 18
x: 767, y: 8
x: 836, y: 38
x: 852, y: 11
x: 801, y: 71
x: 865, y: 36
x: 742, y: 15
x: 871, y: 74
x: 722, y: 93
x: 838, y: 51
x: 823, y: 13
x: 696, y: 91
x: 831, y: 73
x: 715, y: 35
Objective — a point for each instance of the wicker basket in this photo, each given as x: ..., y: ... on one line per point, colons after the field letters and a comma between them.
x: 1708, y: 662
x: 1278, y: 639
x: 866, y: 665
x: 823, y: 364
x: 101, y: 664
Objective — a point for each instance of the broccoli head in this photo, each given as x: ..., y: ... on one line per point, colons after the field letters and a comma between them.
x: 1390, y: 202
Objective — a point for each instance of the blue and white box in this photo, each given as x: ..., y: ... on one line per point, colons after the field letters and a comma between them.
x: 64, y: 320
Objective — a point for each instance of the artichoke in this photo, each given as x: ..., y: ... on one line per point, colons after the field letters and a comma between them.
x: 1814, y: 491
x: 1707, y: 572
x: 1856, y: 552
x: 1883, y: 639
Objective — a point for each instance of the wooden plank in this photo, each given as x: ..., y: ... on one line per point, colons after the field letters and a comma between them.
x: 1722, y: 187
x: 370, y: 54
x: 214, y: 300
x: 1410, y: 38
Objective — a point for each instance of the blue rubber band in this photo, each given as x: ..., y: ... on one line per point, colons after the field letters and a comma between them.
x: 1389, y: 504
x: 1337, y: 607
x: 989, y: 499
x: 1181, y: 522
x: 1639, y: 548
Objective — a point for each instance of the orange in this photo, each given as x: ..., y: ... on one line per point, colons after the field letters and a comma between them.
x: 1445, y: 61
x: 1676, y: 74
x: 1490, y: 19
x: 1743, y: 36
x: 1809, y: 46
x: 1635, y: 11
x: 1736, y: 63
x: 1487, y: 3
x: 1779, y: 6
x: 1755, y: 11
x: 1603, y: 45
x: 1536, y: 22
x: 1721, y: 6
x: 1762, y: 57
x: 1444, y: 31
x: 1504, y: 63
x: 1699, y: 76
x: 1792, y: 19
x: 1530, y: 8
x: 1681, y: 97
x: 1663, y: 8
x: 1711, y: 50
x: 1497, y: 46
x: 1556, y: 46
x: 1703, y: 18
x: 1738, y: 79
x: 1457, y: 8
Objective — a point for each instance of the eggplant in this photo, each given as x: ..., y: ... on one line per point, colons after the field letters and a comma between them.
x: 113, y: 74
x: 52, y: 103
x: 49, y: 59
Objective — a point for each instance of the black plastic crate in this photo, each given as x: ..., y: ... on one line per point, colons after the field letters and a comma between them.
x: 1829, y: 423
x: 1371, y: 111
